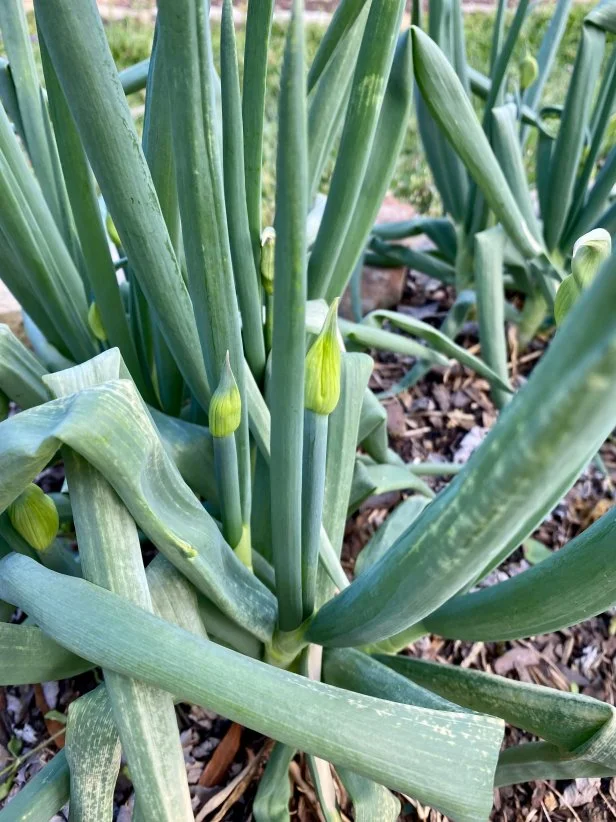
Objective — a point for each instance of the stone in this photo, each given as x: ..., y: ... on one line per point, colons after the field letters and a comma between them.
x: 395, y: 211
x: 382, y: 287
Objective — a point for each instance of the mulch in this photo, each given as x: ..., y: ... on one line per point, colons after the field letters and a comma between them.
x: 443, y: 417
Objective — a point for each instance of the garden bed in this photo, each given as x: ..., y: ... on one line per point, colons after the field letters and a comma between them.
x: 442, y: 418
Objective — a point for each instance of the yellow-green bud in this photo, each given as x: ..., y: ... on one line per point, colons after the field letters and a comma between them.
x: 589, y: 252
x: 96, y: 324
x: 226, y: 405
x: 35, y: 517
x: 268, y: 251
x: 566, y: 297
x: 323, y: 364
x: 113, y: 232
x: 529, y: 71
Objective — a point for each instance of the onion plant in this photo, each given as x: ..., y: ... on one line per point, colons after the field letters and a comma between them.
x: 574, y: 170
x: 212, y: 404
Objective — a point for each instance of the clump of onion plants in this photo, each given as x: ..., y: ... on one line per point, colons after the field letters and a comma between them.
x: 212, y: 403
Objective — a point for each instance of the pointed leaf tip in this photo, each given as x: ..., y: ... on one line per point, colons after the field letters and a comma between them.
x: 268, y: 251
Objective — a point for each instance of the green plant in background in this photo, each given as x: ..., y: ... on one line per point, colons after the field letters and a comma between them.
x: 574, y: 168
x: 206, y: 403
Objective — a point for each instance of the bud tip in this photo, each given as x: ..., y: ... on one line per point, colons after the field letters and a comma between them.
x: 268, y: 249
x: 35, y: 517
x: 113, y: 231
x: 323, y: 365
x: 226, y: 404
x: 529, y: 71
x: 96, y: 323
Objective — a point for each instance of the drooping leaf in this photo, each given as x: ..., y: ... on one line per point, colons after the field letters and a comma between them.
x: 374, y: 479
x: 110, y: 555
x: 35, y: 657
x: 579, y: 725
x: 571, y: 585
x: 93, y: 754
x: 354, y: 670
x: 439, y: 229
x: 399, y: 745
x: 371, y: 336
x: 540, y: 760
x: 188, y: 445
x: 440, y: 342
x: 134, y: 78
x: 424, y: 261
x: 133, y: 460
